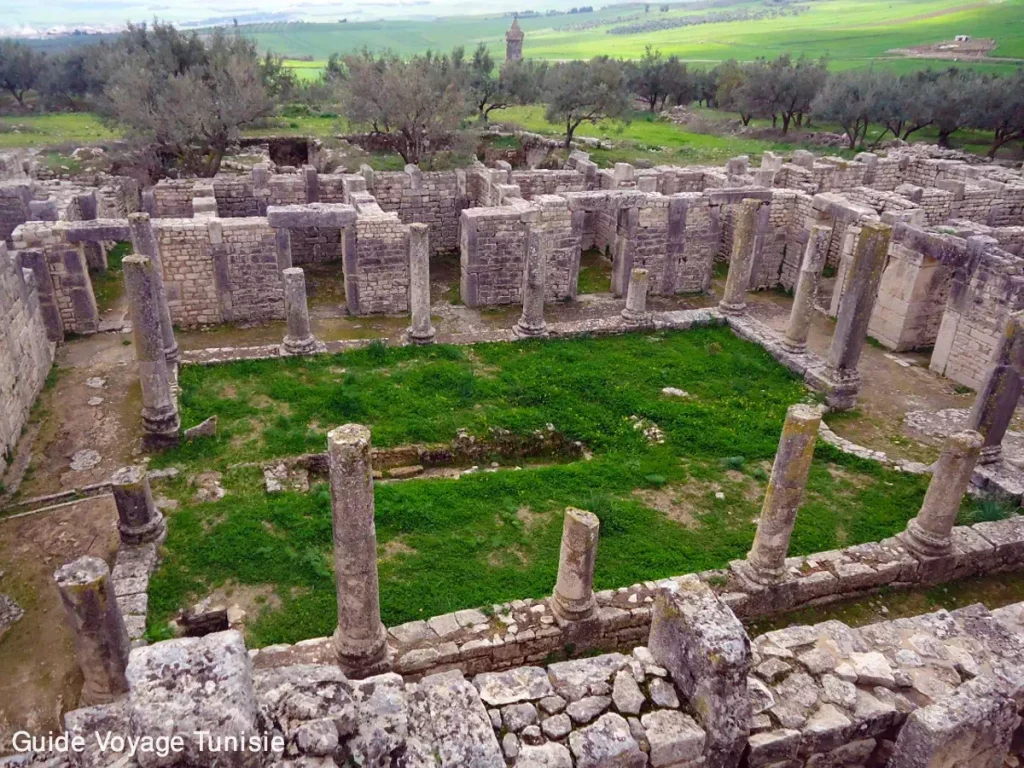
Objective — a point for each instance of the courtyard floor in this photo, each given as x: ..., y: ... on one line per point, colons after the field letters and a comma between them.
x: 685, y: 504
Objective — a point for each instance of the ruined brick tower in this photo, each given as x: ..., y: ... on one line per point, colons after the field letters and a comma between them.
x: 514, y: 42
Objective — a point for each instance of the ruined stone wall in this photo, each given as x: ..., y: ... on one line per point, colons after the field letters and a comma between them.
x: 332, y: 187
x: 770, y: 255
x: 288, y: 189
x: 235, y: 196
x: 72, y: 292
x: 435, y: 198
x: 26, y: 354
x: 914, y: 288
x: 983, y: 292
x: 172, y: 199
x: 564, y: 232
x: 254, y: 287
x: 695, y: 255
x: 13, y: 208
x: 377, y: 267
x: 492, y: 254
x: 189, y: 275
x: 535, y: 183
x: 314, y: 245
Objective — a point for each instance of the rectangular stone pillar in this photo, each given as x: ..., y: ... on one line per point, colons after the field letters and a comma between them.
x: 312, y: 184
x: 706, y: 650
x: 999, y: 394
x: 360, y: 640
x: 35, y: 261
x: 78, y: 285
x: 842, y: 378
x: 283, y: 244
x: 627, y: 223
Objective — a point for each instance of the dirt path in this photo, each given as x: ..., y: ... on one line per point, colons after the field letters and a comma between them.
x: 39, y: 678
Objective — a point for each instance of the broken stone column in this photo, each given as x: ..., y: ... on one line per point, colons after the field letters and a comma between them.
x: 360, y: 640
x: 144, y: 244
x: 702, y: 644
x: 841, y: 376
x: 742, y: 260
x: 767, y: 558
x: 138, y: 519
x: 299, y: 339
x: 800, y: 315
x: 531, y: 322
x: 636, y: 296
x: 94, y: 618
x: 999, y: 393
x: 928, y: 534
x: 159, y: 411
x: 420, y: 329
x: 573, y: 599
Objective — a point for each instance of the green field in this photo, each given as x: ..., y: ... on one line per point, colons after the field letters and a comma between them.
x: 852, y: 33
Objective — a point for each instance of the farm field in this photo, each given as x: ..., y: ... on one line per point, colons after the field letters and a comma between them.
x: 851, y: 33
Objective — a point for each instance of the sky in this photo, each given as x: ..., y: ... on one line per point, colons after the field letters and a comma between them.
x: 27, y: 16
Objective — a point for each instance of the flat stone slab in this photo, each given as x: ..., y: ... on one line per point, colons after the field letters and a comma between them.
x: 521, y: 684
x: 327, y: 215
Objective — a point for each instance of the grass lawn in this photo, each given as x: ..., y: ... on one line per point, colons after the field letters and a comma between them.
x: 53, y: 129
x: 108, y: 284
x: 491, y: 536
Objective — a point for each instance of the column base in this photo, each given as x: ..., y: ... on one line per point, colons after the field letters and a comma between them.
x: 841, y: 388
x: 530, y: 331
x: 991, y: 454
x: 306, y: 346
x: 421, y: 338
x: 172, y: 354
x: 572, y: 611
x: 758, y: 575
x: 923, y: 543
x: 637, y: 318
x: 793, y: 347
x: 162, y: 429
x: 366, y: 662
x: 726, y: 308
x: 153, y: 532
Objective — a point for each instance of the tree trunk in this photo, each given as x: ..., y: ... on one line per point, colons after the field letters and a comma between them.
x: 785, y: 122
x: 775, y: 121
x: 745, y: 118
x: 944, y: 138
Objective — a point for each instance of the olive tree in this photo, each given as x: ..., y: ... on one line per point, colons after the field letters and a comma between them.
x: 585, y: 91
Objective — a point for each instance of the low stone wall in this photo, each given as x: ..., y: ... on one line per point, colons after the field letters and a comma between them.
x: 13, y: 208
x: 435, y: 198
x: 26, y: 353
x: 377, y: 264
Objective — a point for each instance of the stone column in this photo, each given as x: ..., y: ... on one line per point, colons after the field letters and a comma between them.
x: 742, y: 260
x: 144, y: 244
x: 138, y: 519
x: 94, y: 618
x: 420, y: 329
x: 767, y: 558
x: 928, y: 534
x: 159, y: 412
x: 636, y: 296
x: 573, y: 599
x: 999, y: 393
x: 299, y: 339
x: 865, y: 273
x: 531, y: 322
x: 815, y: 253
x: 283, y: 245
x: 360, y: 640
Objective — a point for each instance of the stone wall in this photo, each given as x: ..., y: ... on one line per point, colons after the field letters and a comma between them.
x: 70, y: 287
x: 492, y: 255
x: 429, y: 197
x: 984, y: 290
x: 377, y: 263
x: 235, y: 197
x: 172, y: 199
x: 26, y: 353
x: 314, y: 245
x: 13, y: 208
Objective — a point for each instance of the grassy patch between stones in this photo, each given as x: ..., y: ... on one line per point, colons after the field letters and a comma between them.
x: 686, y: 504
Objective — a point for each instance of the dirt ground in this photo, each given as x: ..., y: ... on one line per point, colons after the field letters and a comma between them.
x: 39, y: 679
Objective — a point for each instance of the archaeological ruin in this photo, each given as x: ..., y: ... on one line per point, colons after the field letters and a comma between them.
x: 895, y: 253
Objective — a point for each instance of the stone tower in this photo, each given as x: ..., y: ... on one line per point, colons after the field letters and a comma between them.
x: 514, y: 42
